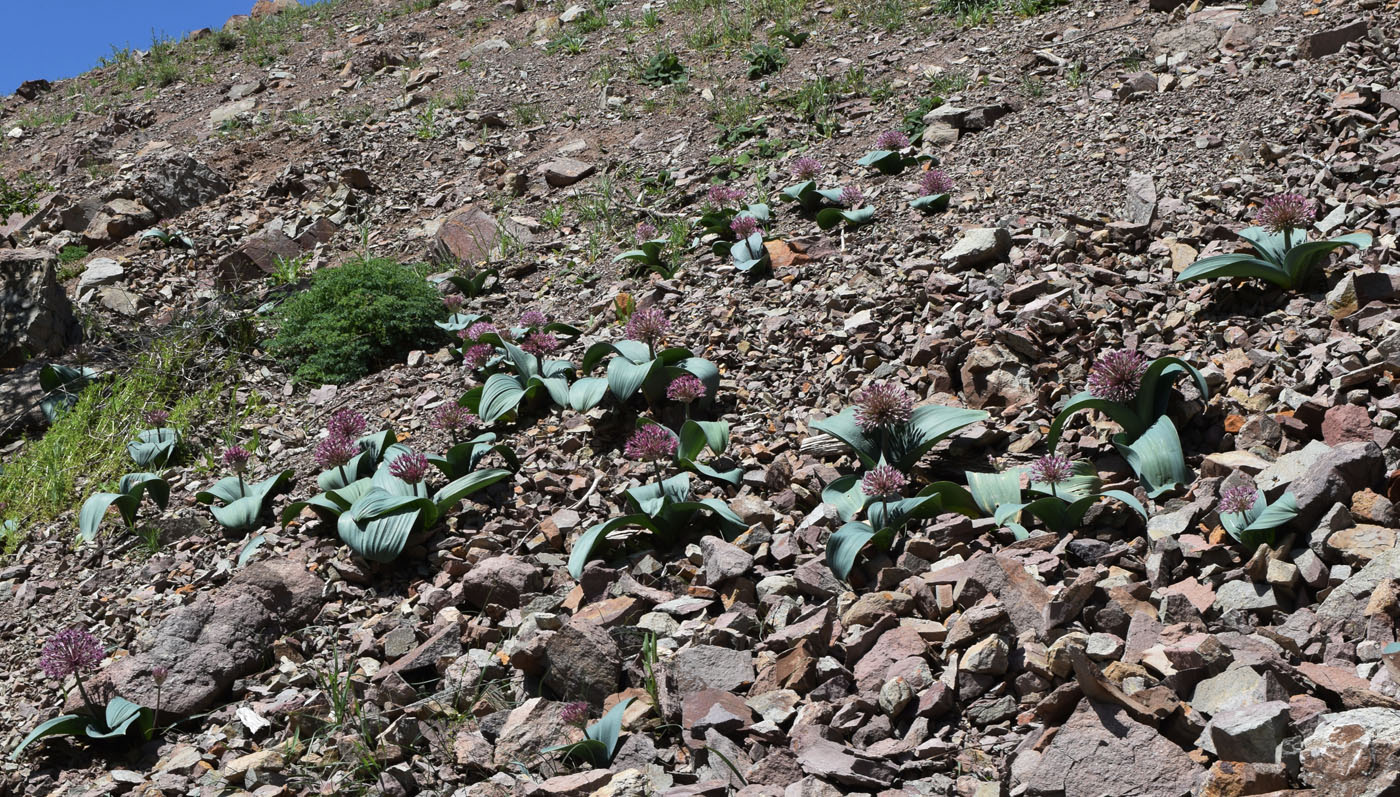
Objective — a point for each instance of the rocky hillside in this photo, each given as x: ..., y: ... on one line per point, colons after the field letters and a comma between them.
x: 992, y: 397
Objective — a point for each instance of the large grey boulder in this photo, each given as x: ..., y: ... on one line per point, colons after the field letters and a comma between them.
x: 36, y: 317
x: 172, y: 184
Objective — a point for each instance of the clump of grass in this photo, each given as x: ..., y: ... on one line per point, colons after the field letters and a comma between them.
x: 89, y: 440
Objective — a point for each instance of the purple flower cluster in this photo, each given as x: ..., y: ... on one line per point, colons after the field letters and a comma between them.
x: 934, y: 182
x: 346, y: 423
x: 651, y: 443
x: 1052, y: 470
x: 744, y: 225
x: 883, y: 481
x: 335, y: 451
x: 1117, y: 375
x: 723, y: 196
x: 1237, y: 499
x: 883, y: 405
x: 540, y: 344
x: 685, y: 389
x: 236, y: 459
x: 453, y: 302
x: 411, y: 468
x: 575, y: 713
x: 156, y: 418
x: 69, y: 652
x: 806, y: 168
x: 533, y: 318
x: 474, y: 332
x: 852, y: 196
x: 645, y: 231
x: 474, y: 357
x: 1286, y: 212
x: 647, y: 325
x: 452, y: 417
x: 892, y: 139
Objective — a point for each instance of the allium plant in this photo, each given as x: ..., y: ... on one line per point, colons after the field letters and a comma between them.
x: 453, y: 418
x: 575, y: 713
x: 476, y: 356
x: 645, y: 231
x: 649, y: 326
x: 892, y: 139
x: 642, y: 364
x: 806, y: 168
x: 883, y: 406
x: 533, y: 319
x: 745, y: 225
x: 883, y: 427
x: 722, y: 196
x: 805, y: 192
x: 132, y: 488
x: 935, y: 189
x: 892, y: 154
x: 1061, y: 493
x: 346, y: 423
x: 74, y: 652
x: 411, y: 468
x: 156, y: 445
x: 687, y: 390
x: 540, y: 344
x: 236, y: 459
x: 1250, y: 519
x: 1051, y: 470
x: 651, y: 443
x: 851, y: 198
x: 1134, y: 393
x: 1282, y: 255
x: 599, y: 744
x: 524, y: 371
x: 650, y: 254
x: 453, y: 303
x: 237, y: 504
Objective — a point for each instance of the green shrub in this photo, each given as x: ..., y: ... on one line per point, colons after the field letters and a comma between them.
x: 72, y: 254
x: 355, y: 319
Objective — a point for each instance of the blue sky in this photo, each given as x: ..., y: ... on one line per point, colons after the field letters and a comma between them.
x: 54, y: 39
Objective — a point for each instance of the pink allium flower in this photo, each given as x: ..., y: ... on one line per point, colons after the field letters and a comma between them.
x: 722, y: 195
x: 533, y: 318
x: 474, y: 332
x: 473, y: 357
x: 409, y: 467
x: 1286, y: 212
x: 453, y: 302
x: 540, y: 344
x: 156, y: 418
x: 744, y: 225
x: 934, y: 182
x: 336, y: 450
x: 1052, y: 470
x: 1117, y: 375
x: 72, y: 651
x: 236, y: 459
x: 575, y: 713
x: 883, y: 481
x: 852, y: 196
x: 650, y: 443
x: 451, y: 417
x: 892, y: 139
x: 160, y: 675
x: 646, y: 231
x: 346, y: 423
x: 685, y: 389
x: 647, y: 325
x: 883, y: 405
x: 1237, y: 499
x: 806, y: 168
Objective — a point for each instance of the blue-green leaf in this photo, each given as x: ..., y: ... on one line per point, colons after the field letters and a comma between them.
x: 500, y: 396
x: 1122, y: 414
x: 582, y: 551
x: 845, y: 545
x: 845, y: 495
x: 1235, y: 265
x: 1301, y: 258
x: 1156, y: 457
x: 64, y: 725
x: 991, y: 490
x: 932, y: 203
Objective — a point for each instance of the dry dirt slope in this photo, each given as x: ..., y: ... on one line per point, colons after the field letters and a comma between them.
x: 1096, y: 149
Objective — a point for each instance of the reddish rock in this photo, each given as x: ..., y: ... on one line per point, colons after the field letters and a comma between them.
x: 1346, y: 423
x: 1326, y: 42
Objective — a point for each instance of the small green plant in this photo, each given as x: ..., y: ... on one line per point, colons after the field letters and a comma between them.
x: 879, y: 494
x: 765, y: 60
x: 527, y: 113
x: 935, y: 192
x: 62, y: 384
x: 72, y: 253
x: 472, y: 282
x: 913, y: 121
x: 127, y: 499
x: 427, y: 129
x: 1283, y: 255
x: 287, y: 270
x: 651, y: 19
x: 237, y: 504
x: 1062, y: 492
x: 1250, y: 519
x: 354, y: 319
x: 503, y: 393
x: 1134, y: 393
x: 792, y: 38
x: 567, y: 43
x: 638, y: 365
x: 21, y: 196
x: 884, y: 427
x: 154, y: 447
x: 600, y: 745
x: 664, y: 69
x: 853, y: 214
x: 892, y: 154
x: 73, y: 652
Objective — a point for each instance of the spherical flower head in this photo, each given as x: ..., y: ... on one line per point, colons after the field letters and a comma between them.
x: 744, y: 225
x: 892, y: 139
x: 1052, y: 470
x: 451, y: 417
x: 474, y: 332
x: 852, y: 196
x: 156, y: 418
x: 723, y: 195
x: 934, y: 182
x: 336, y: 450
x: 533, y: 318
x: 647, y: 325
x: 474, y: 357
x: 651, y: 443
x: 646, y: 231
x: 1286, y: 212
x: 883, y: 405
x: 806, y: 168
x: 346, y: 423
x: 453, y: 302
x: 72, y: 651
x: 575, y: 713
x: 409, y: 467
x: 236, y: 459
x: 540, y: 344
x: 685, y: 389
x: 159, y: 675
x: 1237, y: 499
x: 882, y: 481
x: 1117, y: 375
